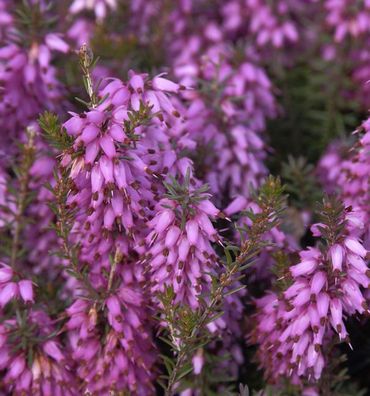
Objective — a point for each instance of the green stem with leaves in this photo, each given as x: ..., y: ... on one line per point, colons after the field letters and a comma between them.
x: 22, y: 200
x: 87, y: 64
x: 65, y: 218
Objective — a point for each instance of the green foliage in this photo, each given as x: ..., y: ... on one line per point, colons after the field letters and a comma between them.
x: 213, y: 380
x: 185, y: 196
x: 33, y: 20
x: 281, y: 270
x: 300, y: 182
x: 331, y: 213
x: 54, y: 133
x: 65, y: 217
x: 137, y: 118
x: 315, y: 109
x: 272, y: 204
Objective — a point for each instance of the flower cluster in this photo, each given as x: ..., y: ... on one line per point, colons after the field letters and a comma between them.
x: 100, y: 7
x: 271, y: 23
x: 348, y: 18
x: 117, y: 163
x: 346, y: 171
x: 295, y: 329
x: 179, y: 251
x: 34, y: 362
x: 29, y: 80
x: 110, y: 339
x: 228, y: 116
x: 120, y: 156
x: 118, y: 272
x: 10, y: 290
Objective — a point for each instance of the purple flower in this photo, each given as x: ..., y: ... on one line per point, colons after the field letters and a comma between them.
x: 6, y: 273
x: 8, y: 291
x: 348, y: 173
x: 198, y: 362
x: 100, y: 7
x: 179, y: 247
x: 36, y: 366
x: 326, y: 288
x: 348, y: 18
x: 271, y: 22
x: 122, y: 352
x: 29, y: 83
x: 26, y: 290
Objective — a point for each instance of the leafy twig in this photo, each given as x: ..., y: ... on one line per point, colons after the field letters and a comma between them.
x: 23, y: 175
x: 87, y: 63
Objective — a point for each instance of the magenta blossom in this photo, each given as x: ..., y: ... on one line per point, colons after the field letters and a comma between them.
x: 327, y: 287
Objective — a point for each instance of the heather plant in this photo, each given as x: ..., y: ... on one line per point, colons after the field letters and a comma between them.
x: 183, y: 207
x: 296, y: 325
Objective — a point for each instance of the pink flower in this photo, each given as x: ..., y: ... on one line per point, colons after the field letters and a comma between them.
x: 336, y: 253
x: 26, y: 290
x: 307, y: 265
x: 6, y: 273
x: 198, y: 362
x: 8, y: 292
x: 100, y: 7
x: 354, y: 246
x: 163, y: 84
x: 179, y: 247
x: 292, y: 334
x: 52, y: 349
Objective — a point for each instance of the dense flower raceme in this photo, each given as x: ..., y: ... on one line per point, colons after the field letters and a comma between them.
x: 226, y: 118
x: 123, y: 150
x: 271, y: 22
x: 110, y: 338
x: 294, y: 329
x: 118, y: 171
x: 348, y: 17
x: 229, y: 110
x: 180, y: 252
x: 348, y: 174
x: 29, y: 83
x: 329, y: 168
x: 99, y: 7
x: 32, y: 361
